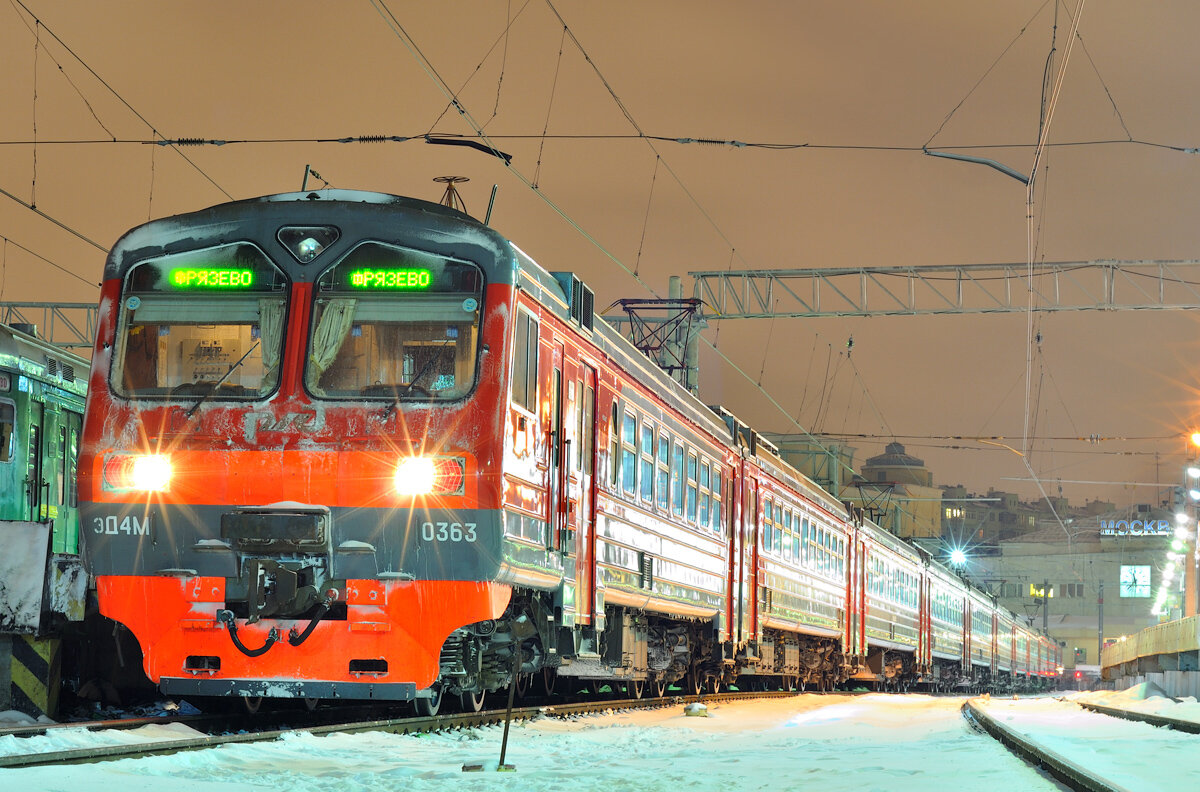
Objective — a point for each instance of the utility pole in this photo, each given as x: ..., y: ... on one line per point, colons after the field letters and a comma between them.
x: 1100, y: 629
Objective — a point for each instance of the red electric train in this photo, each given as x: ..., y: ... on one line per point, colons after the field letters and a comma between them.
x: 352, y: 445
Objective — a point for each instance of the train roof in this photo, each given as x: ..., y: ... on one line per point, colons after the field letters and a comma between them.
x: 35, y: 357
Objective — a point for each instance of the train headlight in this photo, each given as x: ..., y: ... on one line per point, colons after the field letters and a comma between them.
x: 430, y: 476
x: 145, y: 473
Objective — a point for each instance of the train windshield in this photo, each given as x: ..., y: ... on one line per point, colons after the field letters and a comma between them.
x: 202, y: 323
x: 394, y: 323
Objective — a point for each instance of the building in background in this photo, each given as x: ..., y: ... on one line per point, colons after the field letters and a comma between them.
x: 1071, y: 576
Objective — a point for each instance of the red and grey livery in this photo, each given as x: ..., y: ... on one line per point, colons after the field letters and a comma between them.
x: 352, y: 445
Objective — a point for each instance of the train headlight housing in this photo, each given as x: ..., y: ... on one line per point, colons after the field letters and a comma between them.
x: 142, y: 473
x: 430, y: 476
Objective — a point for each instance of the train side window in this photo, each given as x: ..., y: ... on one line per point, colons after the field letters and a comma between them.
x: 778, y: 528
x: 768, y: 531
x: 691, y: 488
x: 587, y: 429
x: 677, y: 479
x: 614, y: 447
x: 717, y: 514
x: 704, y: 483
x: 629, y: 455
x: 647, y: 461
x: 7, y: 421
x: 664, y: 470
x: 525, y: 362
x: 787, y: 535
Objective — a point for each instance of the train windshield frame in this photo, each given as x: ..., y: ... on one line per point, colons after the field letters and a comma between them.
x: 395, y: 323
x: 216, y: 316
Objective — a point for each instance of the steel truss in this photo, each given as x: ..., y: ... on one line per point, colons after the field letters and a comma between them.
x: 950, y: 289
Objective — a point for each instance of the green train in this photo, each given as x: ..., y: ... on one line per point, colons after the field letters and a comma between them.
x: 51, y: 635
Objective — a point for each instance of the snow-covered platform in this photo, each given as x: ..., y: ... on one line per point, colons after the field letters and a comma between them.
x: 1167, y: 655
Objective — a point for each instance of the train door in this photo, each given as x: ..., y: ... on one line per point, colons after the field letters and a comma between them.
x: 924, y: 620
x: 857, y: 601
x: 555, y: 451
x: 66, y: 525
x: 748, y: 568
x: 54, y: 481
x: 35, y: 484
x: 585, y: 512
x: 557, y: 502
x: 967, y: 632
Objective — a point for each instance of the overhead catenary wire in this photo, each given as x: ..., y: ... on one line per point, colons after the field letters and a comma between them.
x: 398, y: 30
x: 119, y: 97
x: 232, y: 140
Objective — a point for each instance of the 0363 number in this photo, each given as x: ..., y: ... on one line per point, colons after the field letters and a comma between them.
x: 448, y: 532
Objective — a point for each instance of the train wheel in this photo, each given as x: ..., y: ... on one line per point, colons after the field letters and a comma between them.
x: 311, y: 704
x: 252, y: 703
x: 549, y: 680
x: 428, y: 707
x: 714, y: 684
x: 659, y: 687
x: 522, y: 684
x: 636, y: 688
x: 694, y: 682
x: 471, y: 702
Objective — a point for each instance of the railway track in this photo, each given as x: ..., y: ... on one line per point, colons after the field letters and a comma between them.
x: 1163, y: 721
x: 1068, y: 771
x: 400, y: 725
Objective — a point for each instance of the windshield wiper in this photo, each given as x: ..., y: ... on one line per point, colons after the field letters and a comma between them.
x: 221, y: 381
x: 406, y: 390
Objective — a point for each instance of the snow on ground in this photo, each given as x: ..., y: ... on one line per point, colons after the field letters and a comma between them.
x: 1137, y: 756
x: 1146, y: 698
x: 868, y: 743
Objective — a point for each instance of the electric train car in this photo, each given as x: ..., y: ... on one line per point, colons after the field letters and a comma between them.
x: 352, y: 445
x: 43, y: 587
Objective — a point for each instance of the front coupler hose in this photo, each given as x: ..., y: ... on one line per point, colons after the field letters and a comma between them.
x: 226, y: 617
x: 295, y: 638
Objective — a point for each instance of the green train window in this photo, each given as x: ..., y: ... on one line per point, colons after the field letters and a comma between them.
x: 7, y: 419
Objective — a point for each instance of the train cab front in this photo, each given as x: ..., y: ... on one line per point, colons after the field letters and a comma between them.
x: 289, y: 475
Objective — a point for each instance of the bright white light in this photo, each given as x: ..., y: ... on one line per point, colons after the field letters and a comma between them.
x: 1194, y: 494
x: 1193, y: 471
x: 151, y: 473
x: 1181, y: 518
x: 958, y: 557
x: 1183, y: 533
x: 1177, y: 545
x: 415, y: 476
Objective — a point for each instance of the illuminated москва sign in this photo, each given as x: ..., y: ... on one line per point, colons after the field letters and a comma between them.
x: 1135, y: 527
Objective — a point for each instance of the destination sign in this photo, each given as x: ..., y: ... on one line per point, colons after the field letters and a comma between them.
x: 400, y: 278
x: 212, y: 278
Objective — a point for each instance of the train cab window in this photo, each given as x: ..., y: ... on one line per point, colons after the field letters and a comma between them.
x: 704, y: 484
x: 691, y: 488
x: 629, y: 454
x: 395, y: 323
x: 664, y: 470
x: 677, y: 480
x: 201, y: 323
x: 525, y: 362
x: 646, y: 460
x: 7, y: 439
